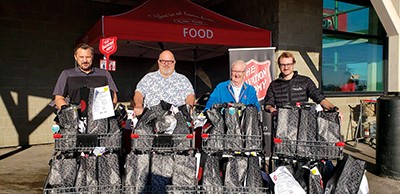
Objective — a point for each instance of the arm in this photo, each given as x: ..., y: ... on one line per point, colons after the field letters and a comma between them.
x: 327, y: 105
x: 111, y: 82
x: 270, y: 108
x: 112, y: 86
x: 190, y: 99
x: 138, y: 103
x: 188, y: 90
x: 318, y: 97
x: 313, y: 92
x: 59, y: 101
x: 115, y: 98
x: 59, y: 92
x: 269, y: 100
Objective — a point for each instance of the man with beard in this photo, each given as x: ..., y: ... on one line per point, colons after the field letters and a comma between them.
x: 234, y: 90
x: 165, y: 84
x: 72, y: 80
x: 291, y: 88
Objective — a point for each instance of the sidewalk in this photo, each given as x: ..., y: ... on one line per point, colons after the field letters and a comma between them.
x: 24, y: 170
x: 377, y: 184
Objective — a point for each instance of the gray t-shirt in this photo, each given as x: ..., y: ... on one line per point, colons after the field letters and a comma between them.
x: 71, y: 80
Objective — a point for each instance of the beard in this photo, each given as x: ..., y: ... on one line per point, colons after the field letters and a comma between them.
x: 166, y: 71
x: 85, y: 66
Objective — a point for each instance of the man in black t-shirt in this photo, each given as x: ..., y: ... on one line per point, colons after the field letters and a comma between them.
x: 72, y: 80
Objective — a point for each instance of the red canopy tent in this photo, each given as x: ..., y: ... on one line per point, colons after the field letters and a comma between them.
x: 178, y: 25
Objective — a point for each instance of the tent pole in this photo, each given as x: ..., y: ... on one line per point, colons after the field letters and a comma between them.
x: 195, y: 69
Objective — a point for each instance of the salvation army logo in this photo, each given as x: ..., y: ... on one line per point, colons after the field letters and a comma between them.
x: 108, y: 46
x: 258, y: 75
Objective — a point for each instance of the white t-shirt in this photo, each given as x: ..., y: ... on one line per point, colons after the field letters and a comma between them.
x: 236, y: 91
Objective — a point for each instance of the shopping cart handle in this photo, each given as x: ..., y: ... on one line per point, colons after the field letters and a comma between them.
x: 277, y: 140
x: 57, y: 135
x: 369, y: 101
x: 134, y: 136
x: 189, y: 136
x: 340, y: 144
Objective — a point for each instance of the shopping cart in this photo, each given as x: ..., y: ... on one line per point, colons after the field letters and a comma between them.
x: 316, y: 150
x: 303, y: 133
x: 227, y: 189
x: 362, y: 123
x: 231, y: 143
x: 162, y: 142
x: 87, y: 142
x: 85, y: 189
x: 304, y: 139
x: 169, y: 189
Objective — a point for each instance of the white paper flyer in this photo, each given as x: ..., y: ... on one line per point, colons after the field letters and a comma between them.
x: 102, y: 103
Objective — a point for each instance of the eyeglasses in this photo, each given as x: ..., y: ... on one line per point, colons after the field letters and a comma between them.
x: 286, y: 65
x: 166, y: 61
x: 236, y: 71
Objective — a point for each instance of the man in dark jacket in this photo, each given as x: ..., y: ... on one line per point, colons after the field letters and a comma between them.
x: 291, y: 88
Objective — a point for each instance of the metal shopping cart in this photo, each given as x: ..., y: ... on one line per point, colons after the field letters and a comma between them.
x: 162, y: 142
x: 87, y: 142
x: 232, y: 149
x: 304, y: 138
x: 308, y: 134
x: 362, y: 123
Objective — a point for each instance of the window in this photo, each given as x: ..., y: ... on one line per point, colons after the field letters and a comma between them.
x: 352, y: 48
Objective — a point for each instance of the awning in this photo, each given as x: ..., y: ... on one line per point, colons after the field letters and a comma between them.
x: 178, y: 25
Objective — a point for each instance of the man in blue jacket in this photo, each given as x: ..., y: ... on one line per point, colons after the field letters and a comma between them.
x: 235, y: 89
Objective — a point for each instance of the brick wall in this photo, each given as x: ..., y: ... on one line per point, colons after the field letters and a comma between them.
x: 37, y: 41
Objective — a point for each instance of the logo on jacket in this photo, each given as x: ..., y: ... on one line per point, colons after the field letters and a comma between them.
x: 297, y: 88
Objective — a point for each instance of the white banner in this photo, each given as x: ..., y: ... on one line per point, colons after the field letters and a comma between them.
x: 259, y: 69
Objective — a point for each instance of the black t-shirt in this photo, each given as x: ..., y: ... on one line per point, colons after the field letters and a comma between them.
x: 71, y: 80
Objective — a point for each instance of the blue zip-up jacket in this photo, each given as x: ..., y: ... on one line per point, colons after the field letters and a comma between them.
x: 223, y: 93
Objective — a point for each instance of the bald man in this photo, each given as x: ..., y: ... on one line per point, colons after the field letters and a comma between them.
x: 164, y: 84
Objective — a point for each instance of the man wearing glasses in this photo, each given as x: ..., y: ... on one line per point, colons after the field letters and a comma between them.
x: 291, y: 87
x: 235, y: 89
x: 164, y: 84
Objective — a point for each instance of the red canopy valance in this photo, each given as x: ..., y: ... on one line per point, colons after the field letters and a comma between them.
x: 175, y: 21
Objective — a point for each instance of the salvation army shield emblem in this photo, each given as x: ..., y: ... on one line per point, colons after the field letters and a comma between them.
x: 108, y: 46
x: 258, y: 74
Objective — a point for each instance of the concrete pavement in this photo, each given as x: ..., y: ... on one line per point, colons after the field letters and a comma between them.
x: 24, y: 170
x: 377, y: 184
